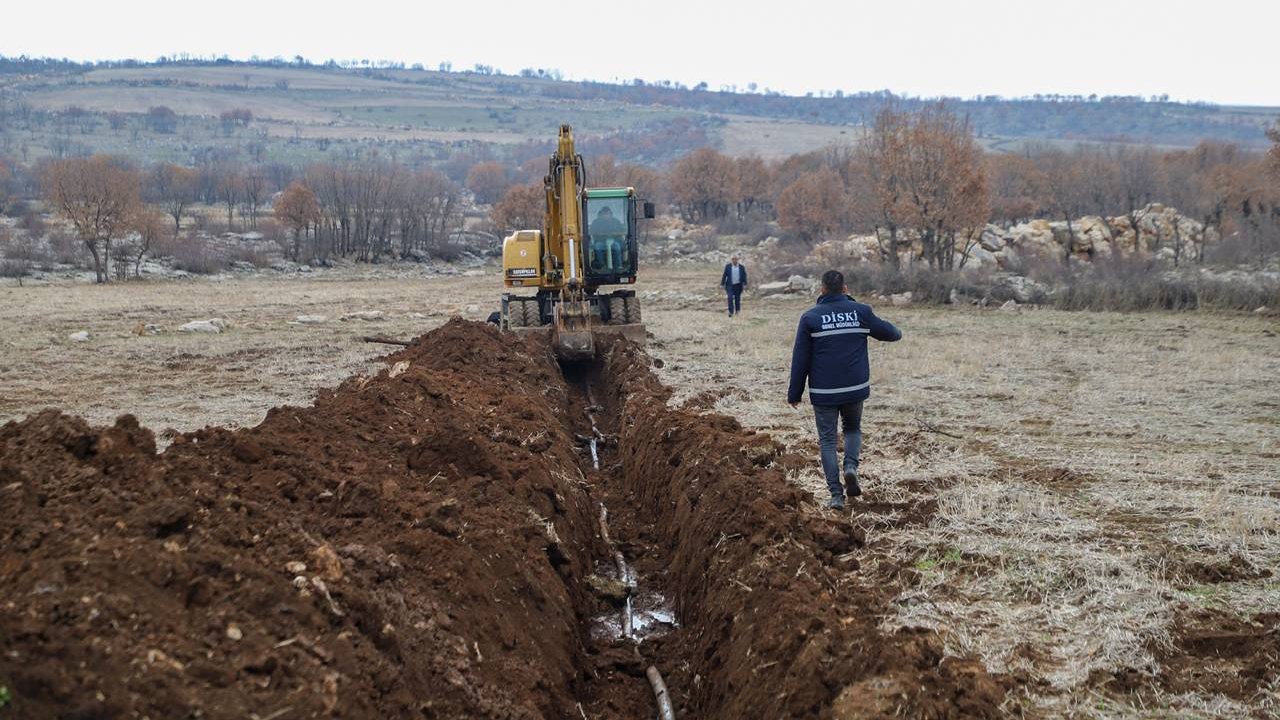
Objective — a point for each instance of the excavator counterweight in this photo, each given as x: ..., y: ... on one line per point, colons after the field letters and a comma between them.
x: 588, y: 240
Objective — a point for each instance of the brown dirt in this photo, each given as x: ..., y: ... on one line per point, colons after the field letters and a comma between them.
x: 447, y: 525
x: 1215, y: 570
x: 1212, y: 652
x: 1218, y: 652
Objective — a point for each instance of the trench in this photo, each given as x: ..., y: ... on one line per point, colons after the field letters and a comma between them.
x: 629, y: 610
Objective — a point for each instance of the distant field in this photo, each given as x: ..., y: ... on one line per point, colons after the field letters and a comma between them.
x: 775, y: 140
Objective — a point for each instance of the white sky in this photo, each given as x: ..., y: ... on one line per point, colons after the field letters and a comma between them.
x: 1216, y: 51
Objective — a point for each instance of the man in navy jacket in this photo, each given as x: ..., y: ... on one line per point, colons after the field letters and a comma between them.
x: 831, y: 355
x: 733, y: 280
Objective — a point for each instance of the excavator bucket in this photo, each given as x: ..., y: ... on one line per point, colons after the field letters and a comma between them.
x: 571, y: 331
x: 574, y: 345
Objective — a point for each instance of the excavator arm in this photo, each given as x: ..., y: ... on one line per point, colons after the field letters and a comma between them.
x: 571, y: 316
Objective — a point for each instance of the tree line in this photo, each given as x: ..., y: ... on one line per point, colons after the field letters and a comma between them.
x: 912, y: 175
x: 366, y: 209
x: 924, y: 171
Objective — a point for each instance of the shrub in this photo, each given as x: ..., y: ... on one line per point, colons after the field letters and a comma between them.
x: 192, y: 253
x: 20, y: 253
x: 67, y: 250
x: 260, y: 256
x: 925, y: 286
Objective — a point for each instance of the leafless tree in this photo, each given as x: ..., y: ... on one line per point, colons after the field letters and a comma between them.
x: 100, y: 196
x: 173, y: 188
x: 230, y: 189
x: 702, y: 184
x: 299, y: 210
x: 882, y: 203
x: 253, y: 191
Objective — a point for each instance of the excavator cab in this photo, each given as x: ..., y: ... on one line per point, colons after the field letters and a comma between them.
x: 611, y: 236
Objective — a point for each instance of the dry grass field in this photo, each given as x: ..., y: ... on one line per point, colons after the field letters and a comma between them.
x: 1095, y: 497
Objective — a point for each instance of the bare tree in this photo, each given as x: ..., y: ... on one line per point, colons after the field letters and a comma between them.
x: 253, y: 189
x: 1067, y: 182
x: 99, y: 196
x: 751, y: 180
x: 1019, y: 187
x: 6, y: 179
x: 173, y: 187
x: 813, y: 205
x: 944, y: 181
x: 162, y: 119
x: 230, y: 189
x: 702, y: 184
x: 1135, y: 175
x: 882, y: 203
x: 147, y: 225
x: 298, y: 209
x: 487, y: 181
x: 522, y: 207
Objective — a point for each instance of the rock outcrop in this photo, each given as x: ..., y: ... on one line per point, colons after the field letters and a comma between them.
x: 1156, y: 230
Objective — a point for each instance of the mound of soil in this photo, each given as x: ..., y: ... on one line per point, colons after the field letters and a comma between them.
x: 419, y: 543
x: 403, y: 548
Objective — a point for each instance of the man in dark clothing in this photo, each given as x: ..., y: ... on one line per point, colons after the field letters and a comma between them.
x: 607, y: 233
x: 734, y: 280
x: 830, y: 353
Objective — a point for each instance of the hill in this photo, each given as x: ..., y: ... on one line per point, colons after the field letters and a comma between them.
x: 299, y: 113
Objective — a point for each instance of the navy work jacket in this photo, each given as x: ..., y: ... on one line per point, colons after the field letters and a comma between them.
x: 830, y: 353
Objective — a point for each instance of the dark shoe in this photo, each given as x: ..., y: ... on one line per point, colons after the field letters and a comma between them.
x: 836, y: 502
x: 851, y: 487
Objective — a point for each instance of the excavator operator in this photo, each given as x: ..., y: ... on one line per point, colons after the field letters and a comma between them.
x: 607, y: 234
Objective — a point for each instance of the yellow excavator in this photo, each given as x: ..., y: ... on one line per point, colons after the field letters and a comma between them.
x: 588, y: 240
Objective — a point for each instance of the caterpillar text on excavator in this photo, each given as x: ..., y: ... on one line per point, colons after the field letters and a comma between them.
x: 588, y: 240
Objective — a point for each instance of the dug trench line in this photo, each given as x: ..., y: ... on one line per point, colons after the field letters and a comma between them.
x: 426, y: 542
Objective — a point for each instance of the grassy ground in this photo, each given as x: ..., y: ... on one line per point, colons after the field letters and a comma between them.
x: 1090, y: 480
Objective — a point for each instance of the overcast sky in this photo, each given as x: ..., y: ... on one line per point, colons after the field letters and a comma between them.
x: 1216, y: 51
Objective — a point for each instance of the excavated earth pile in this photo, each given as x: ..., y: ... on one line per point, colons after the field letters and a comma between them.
x: 426, y: 542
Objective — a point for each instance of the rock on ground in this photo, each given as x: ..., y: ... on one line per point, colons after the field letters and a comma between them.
x: 212, y: 325
x: 772, y: 288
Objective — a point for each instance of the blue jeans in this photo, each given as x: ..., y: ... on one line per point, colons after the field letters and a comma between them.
x: 850, y: 415
x: 734, y: 292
